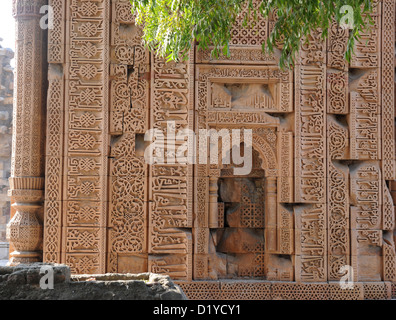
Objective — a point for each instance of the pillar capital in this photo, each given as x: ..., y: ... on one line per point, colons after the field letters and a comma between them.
x: 27, y: 8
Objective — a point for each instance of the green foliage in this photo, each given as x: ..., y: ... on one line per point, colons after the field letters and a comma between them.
x: 172, y: 26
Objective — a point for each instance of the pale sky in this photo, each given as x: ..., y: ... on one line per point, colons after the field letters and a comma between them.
x: 7, y: 25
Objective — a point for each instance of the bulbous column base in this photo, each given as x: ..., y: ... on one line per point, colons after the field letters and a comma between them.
x: 18, y: 257
x: 24, y: 233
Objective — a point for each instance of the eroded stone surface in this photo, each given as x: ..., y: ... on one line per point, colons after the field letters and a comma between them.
x: 23, y: 283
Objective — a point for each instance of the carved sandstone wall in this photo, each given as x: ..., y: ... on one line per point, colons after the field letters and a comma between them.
x: 319, y: 196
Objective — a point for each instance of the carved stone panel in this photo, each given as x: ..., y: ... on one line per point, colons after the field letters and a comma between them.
x: 232, y: 90
x: 171, y: 182
x: 367, y: 50
x: 311, y: 250
x: 388, y: 90
x: 129, y: 108
x: 310, y: 123
x: 319, y: 196
x: 86, y: 140
x: 246, y: 42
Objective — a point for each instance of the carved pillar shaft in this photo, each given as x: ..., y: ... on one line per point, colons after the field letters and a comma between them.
x: 213, y: 204
x: 27, y: 167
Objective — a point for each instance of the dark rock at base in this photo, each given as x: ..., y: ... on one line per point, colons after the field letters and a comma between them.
x: 23, y: 283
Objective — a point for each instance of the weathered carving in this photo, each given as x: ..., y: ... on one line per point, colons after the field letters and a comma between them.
x: 310, y: 165
x: 365, y: 120
x: 129, y: 94
x: 54, y: 168
x: 366, y: 190
x: 27, y: 165
x: 337, y: 139
x: 336, y: 47
x: 366, y: 221
x: 388, y: 210
x: 318, y: 198
x: 285, y: 291
x: 389, y: 263
x: 86, y: 117
x: 367, y: 49
x: 246, y: 42
x: 285, y: 231
x: 311, y: 249
x: 337, y: 92
x: 286, y: 158
x: 388, y: 90
x: 56, y: 34
x: 171, y: 196
x: 338, y: 220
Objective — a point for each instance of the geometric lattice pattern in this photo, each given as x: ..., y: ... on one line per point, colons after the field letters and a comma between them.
x: 266, y: 290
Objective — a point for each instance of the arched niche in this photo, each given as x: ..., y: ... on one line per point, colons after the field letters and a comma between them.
x: 243, y: 212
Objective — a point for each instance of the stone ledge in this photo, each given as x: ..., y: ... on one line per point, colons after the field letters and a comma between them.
x: 274, y: 290
x: 23, y: 283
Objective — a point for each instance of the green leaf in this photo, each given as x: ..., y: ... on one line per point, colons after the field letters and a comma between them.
x: 171, y: 26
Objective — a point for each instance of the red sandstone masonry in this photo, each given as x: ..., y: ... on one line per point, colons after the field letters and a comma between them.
x: 321, y: 193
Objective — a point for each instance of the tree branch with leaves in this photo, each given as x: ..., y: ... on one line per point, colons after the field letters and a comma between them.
x: 171, y: 27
